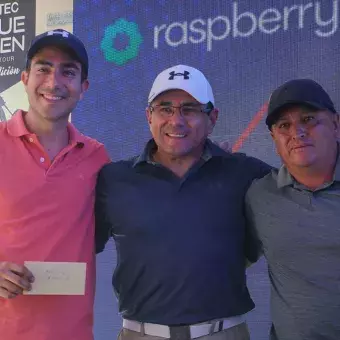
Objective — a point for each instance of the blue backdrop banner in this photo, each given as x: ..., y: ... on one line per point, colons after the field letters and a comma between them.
x: 245, y: 48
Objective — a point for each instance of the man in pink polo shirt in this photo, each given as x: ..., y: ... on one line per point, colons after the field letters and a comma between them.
x: 47, y: 182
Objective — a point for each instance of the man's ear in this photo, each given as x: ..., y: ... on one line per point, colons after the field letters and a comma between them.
x: 274, y: 139
x: 84, y: 87
x: 336, y: 122
x: 24, y: 77
x: 213, y: 115
x: 148, y: 114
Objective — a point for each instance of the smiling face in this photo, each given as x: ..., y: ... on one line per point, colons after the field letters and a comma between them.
x: 183, y: 133
x: 306, y: 137
x: 53, y: 84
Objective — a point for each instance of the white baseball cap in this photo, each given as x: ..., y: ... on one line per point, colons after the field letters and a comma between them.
x: 186, y: 78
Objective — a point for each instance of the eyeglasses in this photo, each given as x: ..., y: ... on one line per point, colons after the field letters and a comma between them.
x: 186, y: 111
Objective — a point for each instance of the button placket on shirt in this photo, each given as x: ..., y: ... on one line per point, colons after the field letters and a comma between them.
x: 42, y: 159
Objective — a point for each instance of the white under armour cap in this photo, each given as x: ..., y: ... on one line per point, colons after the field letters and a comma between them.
x: 186, y: 78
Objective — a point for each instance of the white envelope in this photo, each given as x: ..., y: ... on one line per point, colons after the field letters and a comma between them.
x: 57, y: 278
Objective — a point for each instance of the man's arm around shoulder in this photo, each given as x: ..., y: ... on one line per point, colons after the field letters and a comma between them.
x: 103, y: 228
x: 253, y: 244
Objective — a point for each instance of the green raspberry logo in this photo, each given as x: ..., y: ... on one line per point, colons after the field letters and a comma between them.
x: 121, y: 26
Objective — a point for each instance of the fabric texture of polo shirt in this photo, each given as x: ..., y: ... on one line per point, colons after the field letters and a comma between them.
x: 181, y: 242
x: 299, y: 232
x: 46, y: 214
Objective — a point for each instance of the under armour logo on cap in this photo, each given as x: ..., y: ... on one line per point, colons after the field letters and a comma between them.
x: 61, y: 32
x: 173, y: 75
x: 185, y: 78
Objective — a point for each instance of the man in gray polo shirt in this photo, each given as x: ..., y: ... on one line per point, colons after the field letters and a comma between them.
x: 295, y: 213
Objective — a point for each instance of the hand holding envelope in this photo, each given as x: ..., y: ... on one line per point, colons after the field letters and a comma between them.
x: 57, y: 278
x: 14, y: 279
x: 42, y: 278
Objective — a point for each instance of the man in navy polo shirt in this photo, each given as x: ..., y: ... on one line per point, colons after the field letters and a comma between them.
x: 176, y: 215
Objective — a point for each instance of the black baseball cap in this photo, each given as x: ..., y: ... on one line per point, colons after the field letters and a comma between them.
x: 301, y: 92
x: 62, y: 38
